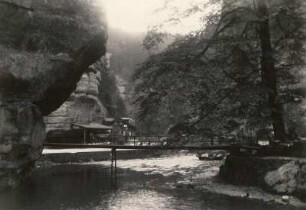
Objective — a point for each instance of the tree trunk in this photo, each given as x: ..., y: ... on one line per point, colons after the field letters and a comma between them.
x: 269, y: 72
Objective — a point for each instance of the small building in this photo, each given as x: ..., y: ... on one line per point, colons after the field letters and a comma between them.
x: 93, y: 132
x: 121, y: 126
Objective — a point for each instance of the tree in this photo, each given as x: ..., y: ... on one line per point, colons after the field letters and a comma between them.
x: 230, y: 71
x: 269, y: 71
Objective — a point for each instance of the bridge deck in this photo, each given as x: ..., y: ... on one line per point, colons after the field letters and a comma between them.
x: 157, y: 147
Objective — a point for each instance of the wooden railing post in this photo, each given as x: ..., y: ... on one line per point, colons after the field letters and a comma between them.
x: 84, y: 137
x: 114, y: 167
x: 113, y: 162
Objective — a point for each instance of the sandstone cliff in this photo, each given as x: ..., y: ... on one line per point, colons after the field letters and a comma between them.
x: 45, y: 48
x: 83, y: 106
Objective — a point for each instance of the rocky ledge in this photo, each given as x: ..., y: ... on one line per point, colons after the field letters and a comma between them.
x: 45, y: 48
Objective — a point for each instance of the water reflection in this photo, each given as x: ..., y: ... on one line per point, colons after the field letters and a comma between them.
x: 90, y: 187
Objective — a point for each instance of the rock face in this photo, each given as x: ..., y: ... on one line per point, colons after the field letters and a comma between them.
x: 22, y: 132
x: 45, y: 48
x: 284, y: 179
x: 275, y: 174
x: 83, y: 106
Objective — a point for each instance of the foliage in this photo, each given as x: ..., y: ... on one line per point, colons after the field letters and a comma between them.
x: 153, y: 39
x: 213, y: 81
x: 109, y: 93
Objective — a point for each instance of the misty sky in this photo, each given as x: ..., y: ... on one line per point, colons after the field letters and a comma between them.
x: 138, y: 15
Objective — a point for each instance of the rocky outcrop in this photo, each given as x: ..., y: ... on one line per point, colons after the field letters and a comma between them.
x: 275, y: 174
x: 45, y: 48
x: 83, y: 106
x: 284, y: 179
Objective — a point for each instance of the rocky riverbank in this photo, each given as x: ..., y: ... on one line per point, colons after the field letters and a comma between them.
x: 278, y: 175
x: 186, y: 171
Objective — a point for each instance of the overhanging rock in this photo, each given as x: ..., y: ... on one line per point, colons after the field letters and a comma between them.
x: 45, y: 48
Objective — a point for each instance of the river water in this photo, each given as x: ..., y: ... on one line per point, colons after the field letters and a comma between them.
x: 141, y: 184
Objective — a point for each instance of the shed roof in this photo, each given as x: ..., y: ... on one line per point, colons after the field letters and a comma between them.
x: 93, y: 126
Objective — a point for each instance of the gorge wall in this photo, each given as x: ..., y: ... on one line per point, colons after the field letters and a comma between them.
x: 45, y: 47
x: 82, y: 106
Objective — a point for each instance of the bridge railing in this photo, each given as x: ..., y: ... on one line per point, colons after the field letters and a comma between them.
x: 132, y: 140
x: 138, y: 140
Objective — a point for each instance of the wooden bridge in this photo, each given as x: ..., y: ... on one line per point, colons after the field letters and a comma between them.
x: 98, y: 136
x: 149, y: 145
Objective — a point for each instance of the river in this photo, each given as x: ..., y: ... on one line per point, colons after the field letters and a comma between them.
x: 141, y: 184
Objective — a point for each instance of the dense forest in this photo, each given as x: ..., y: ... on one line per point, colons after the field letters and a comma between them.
x: 239, y: 76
